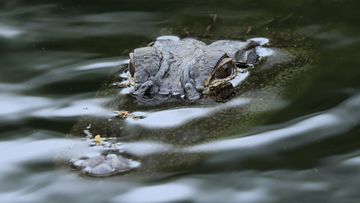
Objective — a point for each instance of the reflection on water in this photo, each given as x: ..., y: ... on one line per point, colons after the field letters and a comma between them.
x: 8, y: 32
x: 302, y: 146
x: 177, y: 117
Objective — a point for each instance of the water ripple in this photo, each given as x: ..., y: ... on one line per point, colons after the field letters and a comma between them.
x: 176, y: 117
x: 299, y: 133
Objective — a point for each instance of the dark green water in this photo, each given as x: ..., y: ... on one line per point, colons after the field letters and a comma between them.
x: 55, y: 56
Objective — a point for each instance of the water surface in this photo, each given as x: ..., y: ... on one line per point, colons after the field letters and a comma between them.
x: 303, y: 145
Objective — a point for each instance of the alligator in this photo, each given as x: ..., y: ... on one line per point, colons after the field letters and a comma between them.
x: 190, y: 70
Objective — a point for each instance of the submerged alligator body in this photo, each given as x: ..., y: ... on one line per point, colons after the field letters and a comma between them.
x: 190, y: 70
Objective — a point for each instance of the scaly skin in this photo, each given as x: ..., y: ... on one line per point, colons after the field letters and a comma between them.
x: 186, y: 68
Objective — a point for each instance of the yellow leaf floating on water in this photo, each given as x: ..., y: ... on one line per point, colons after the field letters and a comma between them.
x: 98, y: 140
x: 123, y: 114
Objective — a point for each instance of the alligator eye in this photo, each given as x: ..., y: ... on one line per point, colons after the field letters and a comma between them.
x: 224, y: 68
x: 223, y: 71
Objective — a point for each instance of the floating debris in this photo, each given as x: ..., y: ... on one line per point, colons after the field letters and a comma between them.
x: 127, y: 83
x: 87, y: 132
x: 106, y: 164
x: 248, y: 30
x: 208, y: 28
x: 127, y: 114
x: 110, y: 160
x: 98, y: 140
x: 214, y: 18
x: 121, y: 84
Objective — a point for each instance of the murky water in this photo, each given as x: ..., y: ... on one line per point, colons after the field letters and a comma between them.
x: 299, y: 146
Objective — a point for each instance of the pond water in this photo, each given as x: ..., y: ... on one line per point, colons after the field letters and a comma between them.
x: 299, y: 146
